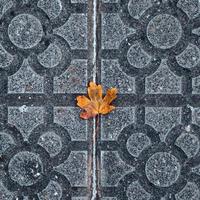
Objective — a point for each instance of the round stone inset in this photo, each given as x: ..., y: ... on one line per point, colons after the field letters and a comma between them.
x: 164, y: 31
x: 25, y: 31
x: 25, y: 168
x: 162, y: 169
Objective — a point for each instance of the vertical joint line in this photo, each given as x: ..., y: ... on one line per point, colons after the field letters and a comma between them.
x: 94, y: 138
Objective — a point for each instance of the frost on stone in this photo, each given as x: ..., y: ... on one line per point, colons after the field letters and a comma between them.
x: 163, y: 81
x: 53, y: 191
x: 25, y: 31
x: 113, y: 168
x: 112, y: 75
x: 5, y: 57
x: 74, y: 31
x: 196, y: 85
x: 5, y: 5
x: 51, y: 7
x: 51, y: 57
x: 162, y: 169
x: 189, y: 192
x: 75, y: 168
x: 196, y: 116
x: 189, y: 143
x: 136, y: 192
x: 51, y: 142
x: 190, y: 57
x: 4, y: 193
x: 190, y: 7
x: 68, y: 117
x: 196, y: 31
x: 6, y: 141
x: 137, y: 57
x: 164, y: 31
x: 113, y: 31
x: 163, y: 119
x: 136, y: 143
x: 25, y: 118
x: 137, y: 7
x: 74, y: 79
x: 25, y: 168
x: 25, y: 80
x: 112, y: 124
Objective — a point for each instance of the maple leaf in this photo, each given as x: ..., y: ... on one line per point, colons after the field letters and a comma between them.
x: 96, y: 104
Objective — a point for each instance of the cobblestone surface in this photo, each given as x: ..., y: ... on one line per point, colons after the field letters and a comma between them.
x: 148, y: 148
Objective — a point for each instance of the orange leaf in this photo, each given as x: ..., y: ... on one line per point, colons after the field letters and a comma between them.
x: 96, y: 104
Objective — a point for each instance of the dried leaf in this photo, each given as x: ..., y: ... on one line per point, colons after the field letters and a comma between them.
x: 96, y: 104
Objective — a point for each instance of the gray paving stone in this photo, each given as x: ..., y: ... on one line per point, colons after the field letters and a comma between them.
x: 112, y: 76
x: 162, y: 119
x: 113, y: 31
x: 74, y: 31
x: 164, y: 31
x: 25, y: 118
x: 162, y: 169
x: 113, y: 168
x: 51, y: 142
x: 163, y: 81
x: 51, y: 57
x: 25, y: 80
x: 190, y: 191
x: 6, y: 141
x: 51, y: 8
x: 137, y: 143
x: 74, y: 168
x: 74, y: 79
x: 148, y: 147
x: 25, y: 31
x: 137, y: 8
x: 136, y: 192
x: 189, y: 143
x: 68, y: 117
x: 44, y: 64
x: 51, y: 192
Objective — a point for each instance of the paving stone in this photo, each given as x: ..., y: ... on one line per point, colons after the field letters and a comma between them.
x: 162, y: 169
x: 74, y: 168
x: 190, y: 191
x: 163, y: 81
x: 136, y: 192
x: 148, y: 147
x: 44, y: 64
x: 25, y: 31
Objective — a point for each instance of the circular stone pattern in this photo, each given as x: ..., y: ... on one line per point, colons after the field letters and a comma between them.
x: 162, y: 169
x: 164, y: 31
x: 25, y: 168
x: 25, y: 31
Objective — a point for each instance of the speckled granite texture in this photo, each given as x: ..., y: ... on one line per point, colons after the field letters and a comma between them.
x: 148, y: 148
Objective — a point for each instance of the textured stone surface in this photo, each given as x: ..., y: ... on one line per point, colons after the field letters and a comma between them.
x: 137, y: 143
x: 148, y: 147
x: 136, y: 192
x: 162, y: 169
x: 74, y: 168
x: 163, y: 81
x: 25, y: 118
x: 164, y: 31
x: 25, y: 80
x: 68, y: 117
x: 25, y: 31
x: 44, y: 60
x: 73, y: 80
x: 113, y: 168
x: 25, y: 168
x: 162, y: 119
